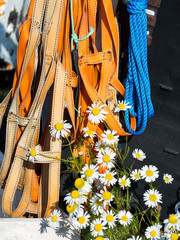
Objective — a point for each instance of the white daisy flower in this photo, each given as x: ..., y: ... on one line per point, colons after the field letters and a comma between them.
x: 96, y: 113
x: 135, y: 238
x: 168, y: 178
x: 71, y: 209
x: 97, y: 227
x: 60, y: 129
x: 135, y: 175
x: 96, y: 205
x: 90, y: 172
x: 109, y: 137
x: 80, y: 153
x: 106, y: 158
x: 149, y: 173
x: 55, y: 218
x: 172, y: 236
x: 74, y: 209
x: 105, y: 196
x: 33, y: 154
x: 168, y: 230
x: 74, y: 197
x: 122, y: 106
x: 109, y: 218
x: 153, y: 232
x: 152, y: 198
x: 83, y: 186
x: 99, y: 145
x: 172, y: 221
x: 100, y: 238
x: 81, y: 220
x: 108, y: 178
x: 125, y: 217
x: 88, y: 133
x: 124, y: 182
x: 138, y: 154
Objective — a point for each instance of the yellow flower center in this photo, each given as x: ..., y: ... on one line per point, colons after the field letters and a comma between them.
x: 149, y: 173
x: 123, y: 182
x: 153, y: 233
x: 137, y: 175
x: 173, y: 219
x: 89, y: 132
x: 124, y: 218
x: 33, y: 152
x: 106, y: 158
x: 107, y: 195
x: 95, y: 111
x: 89, y: 172
x: 153, y: 197
x: 110, y: 136
x: 109, y: 177
x: 98, y: 227
x: 174, y: 236
x: 82, y: 220
x: 70, y: 208
x: 75, y: 194
x: 166, y: 179
x: 54, y: 218
x: 79, y: 183
x: 121, y: 106
x: 98, y: 202
x: 109, y: 218
x: 59, y: 126
x: 99, y: 238
x: 138, y: 155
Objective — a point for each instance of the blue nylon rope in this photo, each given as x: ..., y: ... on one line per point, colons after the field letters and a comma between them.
x: 138, y: 92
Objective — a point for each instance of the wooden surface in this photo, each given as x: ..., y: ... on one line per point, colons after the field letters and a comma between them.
x: 26, y: 229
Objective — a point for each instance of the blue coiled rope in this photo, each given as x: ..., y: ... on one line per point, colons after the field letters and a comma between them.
x: 138, y: 92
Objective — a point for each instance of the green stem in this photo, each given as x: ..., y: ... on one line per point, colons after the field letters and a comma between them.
x: 65, y: 171
x: 122, y: 162
x: 151, y: 185
x: 127, y: 198
x: 73, y: 155
x: 125, y: 149
x: 106, y: 125
x: 117, y: 173
x: 143, y: 216
x: 131, y: 167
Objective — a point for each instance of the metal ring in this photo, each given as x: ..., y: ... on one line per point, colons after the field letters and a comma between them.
x: 126, y: 1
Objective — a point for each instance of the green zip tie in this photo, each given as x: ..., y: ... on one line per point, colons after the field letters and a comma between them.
x: 74, y: 37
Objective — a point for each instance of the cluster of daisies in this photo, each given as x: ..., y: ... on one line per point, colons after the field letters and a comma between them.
x: 91, y: 202
x: 92, y: 189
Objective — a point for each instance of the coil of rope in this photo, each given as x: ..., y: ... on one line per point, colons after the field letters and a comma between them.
x: 138, y: 92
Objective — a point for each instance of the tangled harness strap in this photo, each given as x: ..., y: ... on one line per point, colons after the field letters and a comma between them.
x: 138, y: 92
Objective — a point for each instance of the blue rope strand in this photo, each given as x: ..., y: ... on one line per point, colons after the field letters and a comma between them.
x: 138, y: 92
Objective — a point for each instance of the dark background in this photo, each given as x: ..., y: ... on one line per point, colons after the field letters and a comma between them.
x: 163, y: 130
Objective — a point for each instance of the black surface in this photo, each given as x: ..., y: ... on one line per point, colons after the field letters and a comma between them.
x: 163, y: 130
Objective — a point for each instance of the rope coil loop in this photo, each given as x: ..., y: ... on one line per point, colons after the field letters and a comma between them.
x: 138, y: 92
x: 136, y: 6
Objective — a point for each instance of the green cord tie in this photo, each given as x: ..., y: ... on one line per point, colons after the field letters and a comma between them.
x: 74, y: 37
